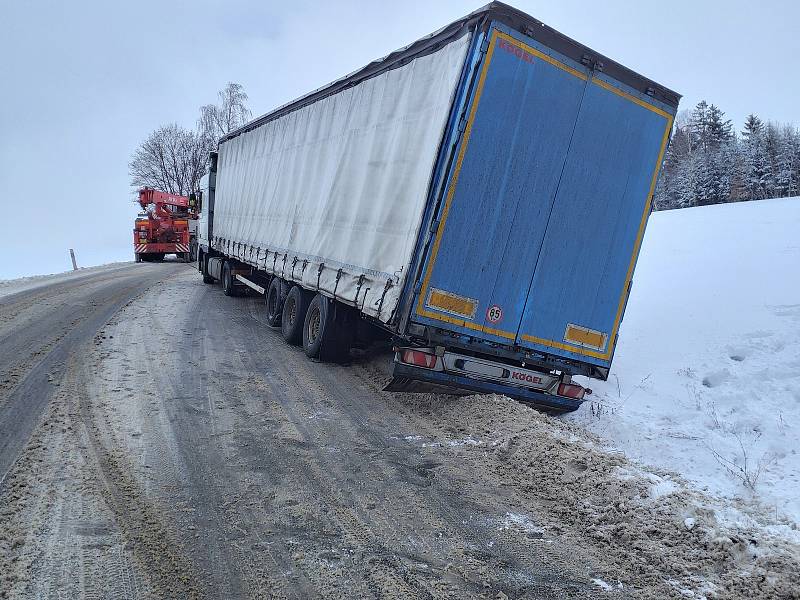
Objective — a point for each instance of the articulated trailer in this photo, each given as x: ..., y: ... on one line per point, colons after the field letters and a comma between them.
x: 479, y: 196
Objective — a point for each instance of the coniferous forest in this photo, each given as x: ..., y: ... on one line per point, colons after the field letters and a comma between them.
x: 710, y: 162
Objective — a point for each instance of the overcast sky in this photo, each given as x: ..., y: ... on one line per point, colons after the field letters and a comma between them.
x: 84, y: 82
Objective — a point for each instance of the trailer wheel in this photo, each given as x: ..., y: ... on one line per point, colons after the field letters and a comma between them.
x: 204, y: 269
x: 274, y: 300
x: 327, y: 331
x: 227, y: 279
x: 316, y: 326
x: 294, y: 315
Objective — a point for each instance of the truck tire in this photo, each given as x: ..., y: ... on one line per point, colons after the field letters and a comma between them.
x: 227, y: 280
x: 138, y: 257
x: 294, y: 315
x: 316, y: 326
x: 328, y: 331
x: 274, y: 299
x: 204, y: 269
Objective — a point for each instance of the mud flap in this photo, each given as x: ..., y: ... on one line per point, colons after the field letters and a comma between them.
x: 415, y: 386
x: 340, y: 333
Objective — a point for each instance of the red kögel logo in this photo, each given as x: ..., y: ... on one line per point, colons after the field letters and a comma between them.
x: 515, y: 50
x: 525, y: 377
x: 494, y: 314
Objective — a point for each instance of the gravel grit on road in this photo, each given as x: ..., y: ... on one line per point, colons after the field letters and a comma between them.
x: 188, y: 452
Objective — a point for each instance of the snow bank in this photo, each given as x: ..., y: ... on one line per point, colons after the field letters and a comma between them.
x: 706, y: 378
x: 656, y: 535
x: 13, y: 286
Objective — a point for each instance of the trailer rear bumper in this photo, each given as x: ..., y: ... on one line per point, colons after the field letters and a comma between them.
x: 407, y: 378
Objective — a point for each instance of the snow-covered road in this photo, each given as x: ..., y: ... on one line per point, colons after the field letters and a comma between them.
x: 184, y: 450
x: 178, y: 448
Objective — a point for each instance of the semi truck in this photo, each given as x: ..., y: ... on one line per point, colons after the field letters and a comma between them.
x: 478, y: 196
x: 167, y: 224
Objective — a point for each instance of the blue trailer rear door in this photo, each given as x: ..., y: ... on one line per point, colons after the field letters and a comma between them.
x: 545, y: 205
x: 501, y: 189
x: 585, y: 265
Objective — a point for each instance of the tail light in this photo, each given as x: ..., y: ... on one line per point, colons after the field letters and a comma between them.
x: 419, y: 359
x: 571, y: 390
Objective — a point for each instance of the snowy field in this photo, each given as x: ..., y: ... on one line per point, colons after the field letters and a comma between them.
x: 706, y: 378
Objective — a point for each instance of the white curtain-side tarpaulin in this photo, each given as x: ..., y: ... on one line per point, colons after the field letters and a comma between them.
x: 333, y: 193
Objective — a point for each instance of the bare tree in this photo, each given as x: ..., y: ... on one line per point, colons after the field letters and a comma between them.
x: 171, y: 159
x: 218, y: 119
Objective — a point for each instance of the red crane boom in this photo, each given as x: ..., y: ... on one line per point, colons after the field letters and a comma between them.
x: 166, y: 225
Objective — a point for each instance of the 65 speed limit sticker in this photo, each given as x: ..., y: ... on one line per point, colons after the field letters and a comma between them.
x: 494, y: 314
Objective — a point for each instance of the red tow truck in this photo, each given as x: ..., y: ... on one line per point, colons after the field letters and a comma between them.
x: 166, y: 225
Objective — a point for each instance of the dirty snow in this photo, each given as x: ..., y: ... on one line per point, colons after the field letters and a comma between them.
x: 602, y: 584
x: 653, y: 530
x: 706, y: 377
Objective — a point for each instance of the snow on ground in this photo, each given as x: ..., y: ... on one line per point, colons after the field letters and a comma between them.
x: 706, y: 377
x: 13, y: 286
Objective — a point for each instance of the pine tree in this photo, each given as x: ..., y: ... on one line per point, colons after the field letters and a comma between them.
x: 670, y: 192
x: 720, y: 130
x: 786, y: 162
x: 756, y: 167
x: 699, y: 125
x: 752, y: 126
x: 712, y: 135
x: 793, y: 136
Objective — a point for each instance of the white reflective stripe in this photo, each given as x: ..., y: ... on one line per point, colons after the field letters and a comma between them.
x: 250, y: 284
